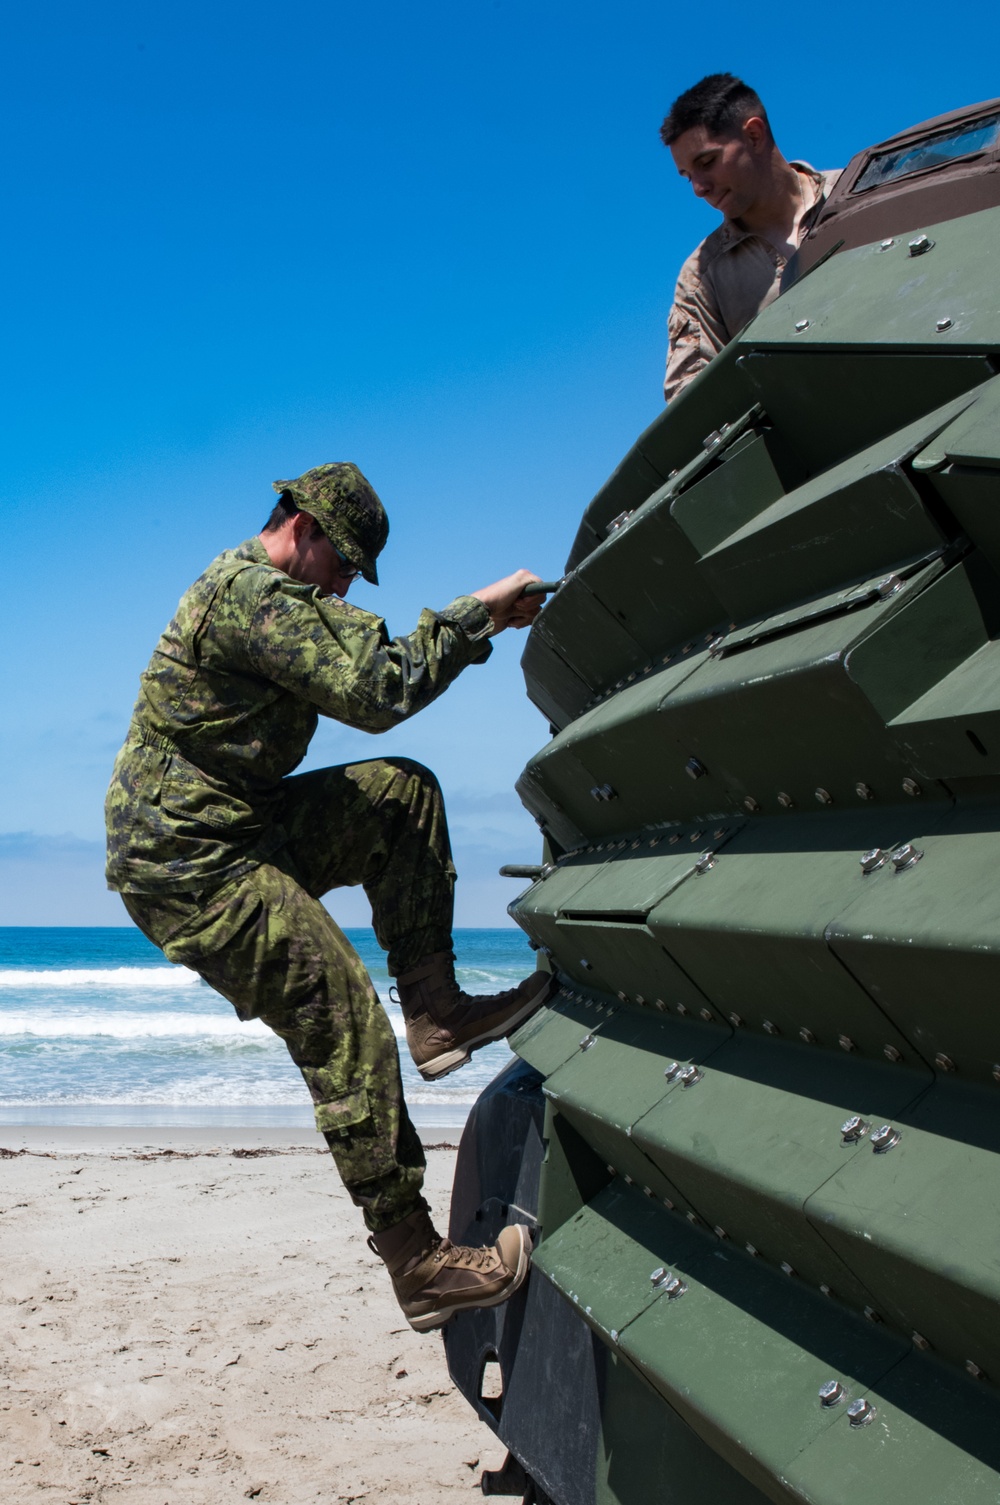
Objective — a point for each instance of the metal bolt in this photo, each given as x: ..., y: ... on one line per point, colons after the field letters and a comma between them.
x: 860, y: 1413
x: 614, y: 1335
x: 586, y: 965
x: 943, y: 1062
x: 887, y: 245
x: 885, y: 1138
x: 801, y: 325
x: 785, y: 801
x: 974, y: 1369
x: 872, y: 860
x: 891, y: 1053
x: 696, y: 836
x: 721, y: 831
x: 807, y: 1036
x: 690, y: 1076
x: 673, y: 1071
x: 720, y: 1232
x: 587, y: 1042
x: 618, y: 522
x: 824, y: 796
x: 682, y: 1008
x: 611, y: 1170
x: 832, y: 1392
x: 694, y: 768
x: 751, y: 804
x: 770, y: 1028
x: 920, y: 245
x: 872, y: 1314
x: 622, y: 997
x: 905, y: 857
x: 787, y: 1269
x: 846, y: 1043
x: 603, y: 792
x: 705, y: 862
x: 943, y: 324
x: 910, y: 786
x: 888, y: 587
x: 658, y: 1003
x: 919, y: 1341
x: 736, y: 1020
x: 864, y: 791
x: 825, y: 1289
x: 668, y: 1204
x: 647, y: 1191
x: 674, y: 1287
x: 707, y: 1015
x: 658, y: 1276
x: 854, y: 1128
x: 710, y: 439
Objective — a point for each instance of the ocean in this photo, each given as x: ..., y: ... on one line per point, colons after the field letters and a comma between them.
x: 97, y: 1028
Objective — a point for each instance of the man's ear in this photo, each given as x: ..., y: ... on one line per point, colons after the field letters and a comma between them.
x: 755, y: 132
x: 302, y: 523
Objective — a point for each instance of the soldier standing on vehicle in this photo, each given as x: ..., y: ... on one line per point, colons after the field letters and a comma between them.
x: 720, y: 140
x: 221, y: 856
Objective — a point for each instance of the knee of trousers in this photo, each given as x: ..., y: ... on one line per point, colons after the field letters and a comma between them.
x: 409, y: 768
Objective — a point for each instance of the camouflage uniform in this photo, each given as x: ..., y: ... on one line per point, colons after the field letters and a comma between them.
x: 221, y: 856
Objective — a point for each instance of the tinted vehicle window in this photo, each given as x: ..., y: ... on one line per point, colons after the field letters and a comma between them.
x: 977, y: 136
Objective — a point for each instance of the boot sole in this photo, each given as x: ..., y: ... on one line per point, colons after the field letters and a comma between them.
x: 453, y: 1059
x: 430, y: 1320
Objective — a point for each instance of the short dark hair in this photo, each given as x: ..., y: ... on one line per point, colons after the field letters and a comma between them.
x: 283, y: 509
x: 721, y: 102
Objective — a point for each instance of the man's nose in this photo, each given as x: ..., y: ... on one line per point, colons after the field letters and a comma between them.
x: 702, y: 187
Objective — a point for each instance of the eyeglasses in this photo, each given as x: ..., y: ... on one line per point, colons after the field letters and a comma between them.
x: 352, y: 571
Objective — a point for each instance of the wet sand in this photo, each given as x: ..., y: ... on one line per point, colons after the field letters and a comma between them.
x: 193, y: 1316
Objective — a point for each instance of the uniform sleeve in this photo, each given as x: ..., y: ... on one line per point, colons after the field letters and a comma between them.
x: 695, y: 327
x: 342, y: 660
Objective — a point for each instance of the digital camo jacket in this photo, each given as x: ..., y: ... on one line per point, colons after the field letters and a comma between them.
x: 231, y: 699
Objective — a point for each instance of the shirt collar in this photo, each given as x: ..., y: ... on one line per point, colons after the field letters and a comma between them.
x: 732, y: 232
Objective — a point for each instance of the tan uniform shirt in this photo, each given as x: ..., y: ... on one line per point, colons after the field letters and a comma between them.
x: 725, y: 281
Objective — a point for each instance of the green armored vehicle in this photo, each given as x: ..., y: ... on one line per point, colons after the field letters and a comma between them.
x: 758, y: 1127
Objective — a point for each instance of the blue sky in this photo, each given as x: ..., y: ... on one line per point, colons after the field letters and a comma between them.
x: 439, y: 240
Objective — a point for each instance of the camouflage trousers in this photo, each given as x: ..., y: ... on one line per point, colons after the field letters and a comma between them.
x: 265, y: 942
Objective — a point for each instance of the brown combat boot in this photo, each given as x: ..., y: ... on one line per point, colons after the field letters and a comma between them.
x: 444, y: 1025
x: 434, y: 1278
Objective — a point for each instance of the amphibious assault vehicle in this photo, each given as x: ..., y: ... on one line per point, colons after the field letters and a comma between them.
x: 758, y: 1127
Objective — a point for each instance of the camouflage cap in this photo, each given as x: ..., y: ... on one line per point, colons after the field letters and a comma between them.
x: 346, y: 508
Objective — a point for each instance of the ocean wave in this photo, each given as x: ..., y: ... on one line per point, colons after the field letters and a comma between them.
x: 127, y: 1026
x: 122, y: 1025
x: 99, y: 977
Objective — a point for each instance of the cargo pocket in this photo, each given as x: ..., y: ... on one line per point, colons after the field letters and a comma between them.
x: 361, y: 1150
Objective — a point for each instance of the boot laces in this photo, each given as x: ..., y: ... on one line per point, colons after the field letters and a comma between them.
x: 464, y: 1255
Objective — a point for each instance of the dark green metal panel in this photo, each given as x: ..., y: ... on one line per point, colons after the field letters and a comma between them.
x: 741, y: 1354
x: 730, y: 495
x: 752, y: 933
x: 925, y: 944
x: 860, y: 517
x: 557, y: 691
x: 920, y: 1223
x: 587, y: 1089
x: 648, y: 1454
x: 829, y: 402
x: 753, y: 1140
x: 553, y: 1035
x: 973, y: 438
x: 934, y: 1438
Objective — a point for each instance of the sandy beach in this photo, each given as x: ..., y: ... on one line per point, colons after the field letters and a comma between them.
x: 194, y: 1316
